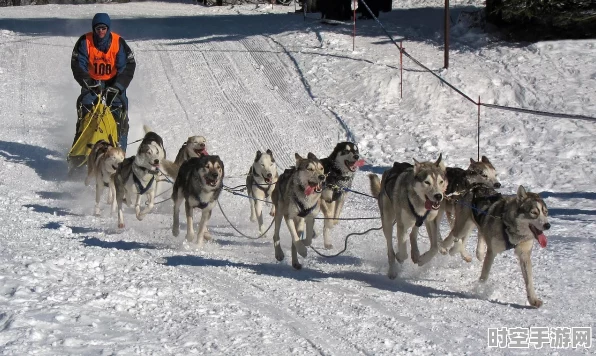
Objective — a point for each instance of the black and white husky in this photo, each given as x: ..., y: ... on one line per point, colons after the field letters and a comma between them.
x: 260, y: 182
x: 198, y: 185
x: 340, y: 167
x: 137, y: 176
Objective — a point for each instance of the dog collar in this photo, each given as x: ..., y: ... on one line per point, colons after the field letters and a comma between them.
x: 139, y: 185
x: 202, y: 204
x: 419, y: 219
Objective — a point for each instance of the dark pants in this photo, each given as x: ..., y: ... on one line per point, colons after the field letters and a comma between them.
x: 119, y: 109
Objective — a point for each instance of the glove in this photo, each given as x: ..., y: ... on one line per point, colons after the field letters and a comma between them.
x: 111, y: 94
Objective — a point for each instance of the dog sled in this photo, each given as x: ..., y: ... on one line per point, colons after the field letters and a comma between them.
x: 100, y: 122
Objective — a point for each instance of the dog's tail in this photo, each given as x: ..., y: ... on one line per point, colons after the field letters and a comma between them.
x: 170, y: 168
x: 147, y: 129
x: 375, y: 185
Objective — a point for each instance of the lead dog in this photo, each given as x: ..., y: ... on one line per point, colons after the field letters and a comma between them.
x: 409, y: 196
x: 340, y: 167
x: 297, y: 201
x: 136, y: 176
x: 198, y: 184
x: 260, y: 182
x: 102, y: 165
x: 508, y: 222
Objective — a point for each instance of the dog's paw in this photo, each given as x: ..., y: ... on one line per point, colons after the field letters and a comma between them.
x: 97, y: 212
x: 207, y: 235
x: 392, y: 274
x: 121, y: 225
x: 141, y: 216
x: 328, y: 246
x: 272, y: 212
x: 253, y: 218
x: 175, y: 231
x: 296, y: 265
x: 415, y: 257
x: 300, y: 248
x: 480, y: 256
x: 466, y: 258
x: 401, y: 257
x: 279, y: 254
x: 454, y: 250
x: 442, y: 250
x: 535, y: 302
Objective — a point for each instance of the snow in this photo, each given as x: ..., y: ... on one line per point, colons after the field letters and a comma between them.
x: 254, y: 77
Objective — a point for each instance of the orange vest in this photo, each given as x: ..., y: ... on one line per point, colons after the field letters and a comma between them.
x: 102, y: 66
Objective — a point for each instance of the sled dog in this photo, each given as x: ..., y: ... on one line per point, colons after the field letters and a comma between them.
x: 102, y: 165
x: 458, y: 203
x: 296, y: 198
x: 410, y: 196
x: 508, y: 222
x: 198, y: 185
x: 136, y: 176
x: 260, y: 182
x: 340, y: 167
x: 195, y: 146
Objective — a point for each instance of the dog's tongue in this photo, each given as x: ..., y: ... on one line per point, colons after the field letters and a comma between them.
x: 309, y: 190
x: 428, y: 205
x: 205, y: 153
x: 542, y: 240
x: 359, y: 163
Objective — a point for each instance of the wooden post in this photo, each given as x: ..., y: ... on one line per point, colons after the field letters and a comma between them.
x: 446, y: 35
x: 478, y: 132
x: 354, y: 2
x: 401, y: 70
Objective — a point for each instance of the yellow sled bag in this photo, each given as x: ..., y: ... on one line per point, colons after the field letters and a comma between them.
x: 97, y: 124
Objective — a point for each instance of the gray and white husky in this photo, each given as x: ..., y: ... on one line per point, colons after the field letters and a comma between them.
x: 195, y: 146
x: 101, y: 166
x: 457, y: 206
x: 340, y: 167
x: 296, y: 197
x: 198, y: 184
x: 137, y: 176
x: 410, y: 196
x: 508, y: 222
x: 260, y: 182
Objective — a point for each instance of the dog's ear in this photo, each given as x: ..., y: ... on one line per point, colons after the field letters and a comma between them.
x: 189, y: 139
x: 521, y: 193
x: 258, y: 155
x: 270, y: 153
x: 298, y: 158
x: 439, y: 163
x: 485, y: 160
x: 312, y: 156
x: 472, y: 161
x: 416, y: 166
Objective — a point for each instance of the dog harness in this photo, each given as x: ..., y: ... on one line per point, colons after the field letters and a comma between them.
x: 202, y: 204
x: 508, y: 244
x: 337, y: 182
x: 419, y: 219
x: 302, y: 210
x: 265, y: 188
x: 139, y: 185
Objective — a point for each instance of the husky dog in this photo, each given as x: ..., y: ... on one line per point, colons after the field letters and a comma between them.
x: 508, y: 222
x: 410, y: 196
x: 340, y: 167
x: 195, y: 146
x: 136, y: 176
x: 198, y: 184
x: 296, y: 198
x: 102, y: 165
x: 260, y: 182
x: 461, y: 182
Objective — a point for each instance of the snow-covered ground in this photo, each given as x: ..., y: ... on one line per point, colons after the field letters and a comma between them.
x: 255, y: 77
